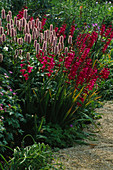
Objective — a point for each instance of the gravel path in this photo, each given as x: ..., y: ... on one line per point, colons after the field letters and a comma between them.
x: 98, y: 155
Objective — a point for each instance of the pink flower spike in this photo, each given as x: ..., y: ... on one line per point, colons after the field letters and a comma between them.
x: 10, y: 90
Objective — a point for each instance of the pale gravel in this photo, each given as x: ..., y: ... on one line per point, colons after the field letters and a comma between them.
x: 98, y: 155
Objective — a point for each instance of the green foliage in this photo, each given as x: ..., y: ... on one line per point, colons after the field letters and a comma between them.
x: 17, y: 5
x: 4, y: 4
x: 38, y: 8
x: 106, y: 87
x: 62, y: 138
x: 10, y: 111
x: 37, y: 156
x: 32, y: 157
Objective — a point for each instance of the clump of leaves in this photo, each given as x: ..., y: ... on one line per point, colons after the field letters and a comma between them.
x: 10, y: 112
x: 37, y: 156
x: 57, y: 137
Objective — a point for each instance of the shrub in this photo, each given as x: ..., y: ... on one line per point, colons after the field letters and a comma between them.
x: 10, y: 112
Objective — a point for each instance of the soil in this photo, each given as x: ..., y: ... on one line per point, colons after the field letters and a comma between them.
x: 98, y: 154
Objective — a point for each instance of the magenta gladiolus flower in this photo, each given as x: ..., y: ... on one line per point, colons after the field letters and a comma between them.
x: 22, y: 65
x: 22, y: 70
x: 29, y: 69
x: 26, y: 76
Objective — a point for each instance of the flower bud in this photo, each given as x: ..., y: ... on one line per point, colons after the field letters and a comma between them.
x: 37, y: 34
x: 24, y: 22
x: 51, y: 39
x: 0, y: 40
x: 27, y: 30
x: 0, y: 22
x: 44, y: 46
x: 29, y: 38
x: 41, y: 36
x: 35, y: 29
x: 26, y: 37
x: 15, y: 57
x: 35, y: 42
x: 18, y: 23
x: 54, y: 42
x: 37, y: 48
x: 3, y: 37
x: 8, y: 26
x: 33, y: 24
x: 28, y: 56
x: 8, y: 18
x: 20, y: 52
x: 54, y: 33
x: 25, y: 13
x: 33, y: 35
x: 40, y: 25
x: 3, y: 14
x: 10, y: 14
x: 21, y: 21
x: 1, y: 57
x: 59, y: 46
x: 20, y: 27
x: 16, y: 52
x: 24, y: 31
x: 18, y: 41
x: 48, y: 34
x: 62, y: 46
x: 15, y: 39
x: 1, y: 30
x: 61, y: 40
x: 12, y: 26
x: 15, y: 32
x: 66, y: 50
x: 56, y: 49
x: 45, y: 35
x: 70, y: 39
x: 29, y: 24
x: 11, y: 22
x: 15, y: 20
x: 56, y: 39
x: 37, y: 22
x: 51, y: 27
x: 12, y: 32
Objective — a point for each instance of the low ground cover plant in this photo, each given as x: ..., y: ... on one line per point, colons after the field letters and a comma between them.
x: 10, y: 113
x: 36, y: 156
x: 54, y: 76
